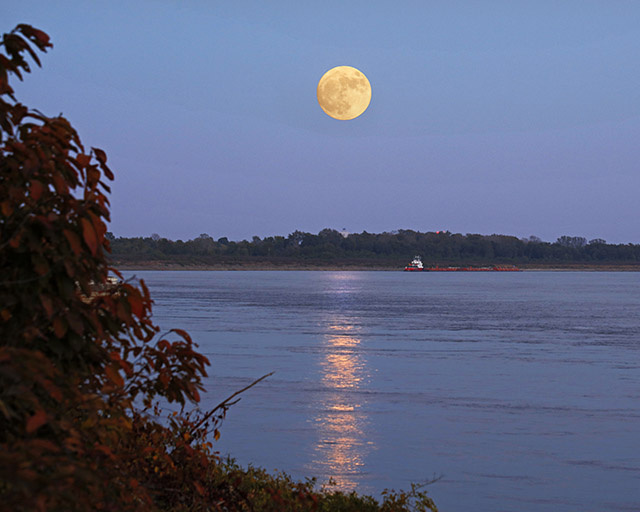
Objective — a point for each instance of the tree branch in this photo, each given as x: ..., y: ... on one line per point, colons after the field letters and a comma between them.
x: 226, y: 403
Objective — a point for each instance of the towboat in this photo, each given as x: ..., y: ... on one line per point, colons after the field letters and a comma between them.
x: 415, y: 265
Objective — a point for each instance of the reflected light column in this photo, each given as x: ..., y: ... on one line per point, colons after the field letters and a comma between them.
x: 342, y: 445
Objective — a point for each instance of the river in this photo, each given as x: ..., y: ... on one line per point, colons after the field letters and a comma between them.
x: 518, y: 390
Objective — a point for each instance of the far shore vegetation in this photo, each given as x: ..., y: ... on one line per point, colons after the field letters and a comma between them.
x: 333, y: 250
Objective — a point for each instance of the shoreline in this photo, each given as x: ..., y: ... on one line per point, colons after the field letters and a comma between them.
x: 238, y: 267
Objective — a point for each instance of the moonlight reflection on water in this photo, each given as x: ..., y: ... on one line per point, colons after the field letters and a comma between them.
x: 342, y: 446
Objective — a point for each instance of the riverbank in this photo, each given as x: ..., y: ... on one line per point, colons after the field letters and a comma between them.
x: 329, y: 267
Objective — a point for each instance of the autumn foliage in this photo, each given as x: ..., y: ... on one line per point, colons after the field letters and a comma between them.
x: 75, y: 352
x: 82, y: 366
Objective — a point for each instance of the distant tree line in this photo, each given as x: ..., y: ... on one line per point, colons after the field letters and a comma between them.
x: 389, y: 248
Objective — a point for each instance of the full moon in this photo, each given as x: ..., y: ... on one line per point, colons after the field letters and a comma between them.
x: 344, y: 93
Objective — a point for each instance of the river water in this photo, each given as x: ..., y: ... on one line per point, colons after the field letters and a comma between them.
x: 521, y: 391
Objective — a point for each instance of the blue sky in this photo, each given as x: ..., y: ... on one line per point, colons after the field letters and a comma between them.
x: 513, y: 117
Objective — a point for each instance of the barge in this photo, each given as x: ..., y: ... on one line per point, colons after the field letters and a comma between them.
x: 417, y: 266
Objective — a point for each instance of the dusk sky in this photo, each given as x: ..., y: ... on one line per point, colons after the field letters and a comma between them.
x: 511, y: 117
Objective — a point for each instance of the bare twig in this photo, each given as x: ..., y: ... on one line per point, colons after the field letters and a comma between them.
x: 226, y: 403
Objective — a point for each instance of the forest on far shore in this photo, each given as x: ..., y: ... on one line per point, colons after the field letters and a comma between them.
x: 390, y: 249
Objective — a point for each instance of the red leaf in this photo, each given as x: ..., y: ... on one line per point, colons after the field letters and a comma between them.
x: 6, y: 208
x: 74, y: 241
x: 93, y: 176
x: 47, y: 304
x: 183, y: 333
x: 59, y: 327
x: 136, y: 305
x: 89, y: 235
x: 104, y: 449
x: 83, y: 160
x: 60, y: 184
x: 34, y: 34
x: 126, y: 367
x: 36, y: 421
x: 36, y: 189
x: 100, y: 155
x: 14, y: 243
x: 75, y: 322
x: 52, y: 389
x: 114, y: 376
x: 164, y: 379
x: 99, y: 227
